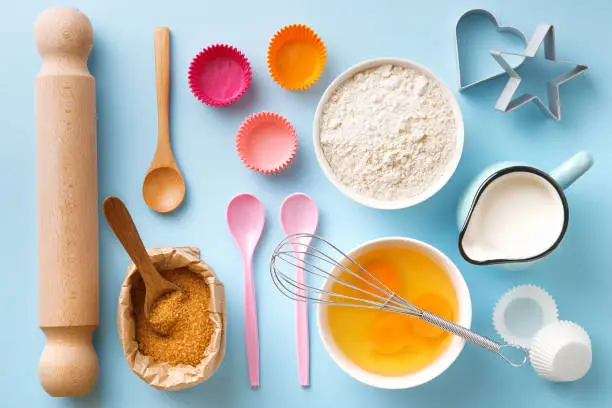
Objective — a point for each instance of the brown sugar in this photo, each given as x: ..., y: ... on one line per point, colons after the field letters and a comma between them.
x: 190, y: 336
x: 166, y: 311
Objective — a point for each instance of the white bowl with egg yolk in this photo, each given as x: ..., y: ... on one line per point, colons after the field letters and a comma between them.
x: 438, y: 366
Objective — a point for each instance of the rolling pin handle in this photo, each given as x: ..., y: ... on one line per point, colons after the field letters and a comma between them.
x: 68, y: 365
x: 64, y: 38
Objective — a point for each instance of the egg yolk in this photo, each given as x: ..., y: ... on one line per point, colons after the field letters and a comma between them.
x: 389, y: 333
x: 384, y: 273
x: 433, y: 304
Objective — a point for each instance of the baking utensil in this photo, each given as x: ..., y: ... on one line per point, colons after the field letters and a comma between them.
x: 296, y: 57
x: 507, y: 102
x: 463, y: 83
x: 521, y: 312
x: 246, y: 218
x: 482, y: 244
x: 219, y: 75
x: 66, y: 173
x: 164, y: 187
x: 335, y: 263
x: 299, y: 214
x: 561, y: 352
x: 361, y: 198
x: 120, y: 221
x: 266, y: 142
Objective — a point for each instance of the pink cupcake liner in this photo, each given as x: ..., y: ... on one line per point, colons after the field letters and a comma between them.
x: 266, y: 142
x: 219, y: 75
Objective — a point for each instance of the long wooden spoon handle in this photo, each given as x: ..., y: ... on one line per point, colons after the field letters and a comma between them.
x: 162, y: 82
x: 120, y: 221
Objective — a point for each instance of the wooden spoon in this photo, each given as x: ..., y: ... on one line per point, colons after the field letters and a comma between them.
x: 164, y: 188
x: 121, y: 223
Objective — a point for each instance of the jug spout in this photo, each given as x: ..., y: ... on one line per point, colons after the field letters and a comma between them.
x: 572, y: 169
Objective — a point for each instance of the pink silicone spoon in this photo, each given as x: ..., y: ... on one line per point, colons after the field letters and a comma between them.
x: 299, y: 214
x: 245, y: 218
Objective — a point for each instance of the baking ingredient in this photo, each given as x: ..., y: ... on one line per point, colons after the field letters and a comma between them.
x: 166, y: 311
x: 388, y: 132
x: 387, y: 343
x: 389, y: 333
x: 187, y: 341
x: 382, y: 273
x: 518, y: 216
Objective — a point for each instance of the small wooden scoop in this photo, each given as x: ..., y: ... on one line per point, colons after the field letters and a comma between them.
x: 121, y: 223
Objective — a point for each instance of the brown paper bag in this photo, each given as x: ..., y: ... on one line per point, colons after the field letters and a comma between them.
x: 162, y: 375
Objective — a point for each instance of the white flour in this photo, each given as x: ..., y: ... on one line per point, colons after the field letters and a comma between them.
x: 388, y: 132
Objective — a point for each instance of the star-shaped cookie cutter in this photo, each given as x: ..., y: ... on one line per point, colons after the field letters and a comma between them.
x: 544, y: 34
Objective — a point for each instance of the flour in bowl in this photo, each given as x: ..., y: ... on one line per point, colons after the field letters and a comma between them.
x: 389, y: 132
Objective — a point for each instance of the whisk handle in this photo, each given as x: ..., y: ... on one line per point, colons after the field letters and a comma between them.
x: 472, y: 337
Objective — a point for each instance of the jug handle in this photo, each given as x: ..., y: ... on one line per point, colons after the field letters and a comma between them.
x: 572, y: 169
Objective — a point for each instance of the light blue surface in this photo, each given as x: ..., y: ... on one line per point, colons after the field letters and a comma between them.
x: 577, y: 274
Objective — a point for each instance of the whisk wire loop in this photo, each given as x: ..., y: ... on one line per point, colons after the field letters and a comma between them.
x: 315, y: 252
x: 390, y: 298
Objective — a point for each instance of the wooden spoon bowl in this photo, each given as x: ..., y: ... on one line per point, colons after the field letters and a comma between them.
x: 163, y: 189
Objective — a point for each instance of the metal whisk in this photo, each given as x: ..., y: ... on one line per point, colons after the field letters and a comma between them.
x: 324, y: 262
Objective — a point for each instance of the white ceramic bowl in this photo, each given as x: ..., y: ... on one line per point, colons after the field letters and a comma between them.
x: 438, y: 366
x: 363, y: 199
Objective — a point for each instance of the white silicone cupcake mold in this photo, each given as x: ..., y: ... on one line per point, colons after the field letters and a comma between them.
x: 561, y: 351
x: 522, y: 312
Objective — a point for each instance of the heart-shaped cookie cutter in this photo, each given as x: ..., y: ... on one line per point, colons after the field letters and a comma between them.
x: 500, y: 28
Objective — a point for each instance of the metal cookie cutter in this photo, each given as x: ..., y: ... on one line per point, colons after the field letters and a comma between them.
x: 544, y: 33
x: 500, y: 28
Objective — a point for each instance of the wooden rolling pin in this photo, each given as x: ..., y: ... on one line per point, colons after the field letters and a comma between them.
x: 67, y: 202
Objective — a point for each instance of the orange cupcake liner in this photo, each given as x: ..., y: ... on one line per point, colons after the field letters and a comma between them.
x: 266, y: 142
x: 296, y: 57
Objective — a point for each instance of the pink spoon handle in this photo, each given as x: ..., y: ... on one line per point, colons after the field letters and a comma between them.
x: 250, y: 325
x: 303, y: 347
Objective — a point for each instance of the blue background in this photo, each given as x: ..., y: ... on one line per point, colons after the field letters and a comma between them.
x: 577, y: 275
